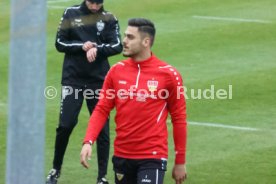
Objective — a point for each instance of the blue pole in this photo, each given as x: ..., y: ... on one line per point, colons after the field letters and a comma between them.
x: 26, y: 103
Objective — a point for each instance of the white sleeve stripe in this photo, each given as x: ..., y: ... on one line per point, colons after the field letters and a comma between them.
x: 117, y: 43
x: 69, y: 44
x: 102, y: 45
x: 167, y: 66
x: 108, y: 45
x: 121, y: 63
x: 71, y: 8
x: 157, y: 176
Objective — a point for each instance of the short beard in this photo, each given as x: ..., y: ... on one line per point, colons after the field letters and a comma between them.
x: 94, y: 11
x: 126, y: 55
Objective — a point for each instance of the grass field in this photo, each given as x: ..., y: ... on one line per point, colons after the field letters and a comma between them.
x: 210, y: 42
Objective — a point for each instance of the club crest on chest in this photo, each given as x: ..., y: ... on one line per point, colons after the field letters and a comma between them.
x: 100, y: 25
x: 152, y: 85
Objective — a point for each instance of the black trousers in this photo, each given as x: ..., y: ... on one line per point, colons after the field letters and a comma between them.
x: 139, y: 171
x: 71, y: 102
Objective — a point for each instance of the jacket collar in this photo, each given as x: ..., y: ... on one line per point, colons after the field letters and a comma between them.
x: 144, y: 62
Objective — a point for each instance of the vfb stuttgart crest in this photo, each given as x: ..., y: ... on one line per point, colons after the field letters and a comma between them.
x: 152, y: 85
x: 100, y: 25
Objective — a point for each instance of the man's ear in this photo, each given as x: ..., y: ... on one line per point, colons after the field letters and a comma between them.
x: 146, y: 41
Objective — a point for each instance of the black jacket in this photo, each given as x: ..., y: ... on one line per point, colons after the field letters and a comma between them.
x: 78, y: 25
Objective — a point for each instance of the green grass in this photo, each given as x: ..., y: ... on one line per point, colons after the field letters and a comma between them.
x: 206, y: 52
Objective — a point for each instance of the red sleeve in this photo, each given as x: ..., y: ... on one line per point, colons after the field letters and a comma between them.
x: 101, y: 111
x: 177, y: 109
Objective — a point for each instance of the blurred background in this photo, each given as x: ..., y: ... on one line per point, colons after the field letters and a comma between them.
x: 211, y: 43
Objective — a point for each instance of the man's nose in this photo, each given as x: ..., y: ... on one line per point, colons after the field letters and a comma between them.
x: 124, y: 40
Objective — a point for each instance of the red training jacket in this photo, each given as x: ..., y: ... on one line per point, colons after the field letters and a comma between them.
x: 143, y: 94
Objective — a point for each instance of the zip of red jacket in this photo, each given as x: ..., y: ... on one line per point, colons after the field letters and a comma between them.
x: 143, y: 93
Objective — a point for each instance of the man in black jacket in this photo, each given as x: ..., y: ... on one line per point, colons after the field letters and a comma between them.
x: 87, y: 35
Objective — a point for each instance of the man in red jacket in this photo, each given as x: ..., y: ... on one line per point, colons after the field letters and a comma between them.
x: 143, y: 89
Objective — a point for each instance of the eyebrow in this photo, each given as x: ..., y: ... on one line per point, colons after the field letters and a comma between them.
x: 128, y: 34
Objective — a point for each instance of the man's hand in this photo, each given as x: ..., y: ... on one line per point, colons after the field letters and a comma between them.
x: 85, y: 155
x: 179, y: 173
x: 88, y: 45
x: 91, y: 54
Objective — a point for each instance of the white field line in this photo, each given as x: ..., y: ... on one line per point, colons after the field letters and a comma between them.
x: 56, y: 7
x: 51, y: 4
x: 232, y: 19
x: 222, y: 126
x: 216, y: 125
x: 57, y: 1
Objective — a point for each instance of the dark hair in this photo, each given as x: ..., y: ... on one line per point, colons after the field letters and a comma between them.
x: 144, y: 25
x: 96, y: 1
